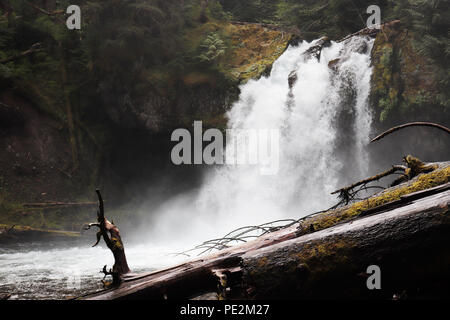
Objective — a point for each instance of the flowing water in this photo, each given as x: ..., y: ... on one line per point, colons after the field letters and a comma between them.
x: 309, y: 168
x: 38, y: 271
x: 316, y: 156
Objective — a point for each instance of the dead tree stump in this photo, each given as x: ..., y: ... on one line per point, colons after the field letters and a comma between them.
x: 111, y: 235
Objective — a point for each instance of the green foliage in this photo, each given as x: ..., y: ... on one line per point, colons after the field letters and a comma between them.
x: 212, y: 48
x: 38, y: 76
x: 388, y: 104
x: 6, y: 33
x: 129, y: 51
x: 250, y: 10
x: 128, y: 48
x: 125, y: 50
x: 430, y: 22
x: 387, y: 58
x: 335, y: 18
x: 216, y: 11
x: 314, y: 18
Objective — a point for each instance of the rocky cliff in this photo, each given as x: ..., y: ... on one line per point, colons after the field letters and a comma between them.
x: 404, y: 88
x: 130, y: 143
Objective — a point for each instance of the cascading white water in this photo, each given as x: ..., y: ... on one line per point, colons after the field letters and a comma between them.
x: 235, y: 196
x: 308, y: 167
x: 312, y: 152
x: 33, y: 271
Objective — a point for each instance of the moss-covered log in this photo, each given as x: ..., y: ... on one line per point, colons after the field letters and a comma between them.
x: 409, y: 244
x: 408, y: 240
x: 389, y: 197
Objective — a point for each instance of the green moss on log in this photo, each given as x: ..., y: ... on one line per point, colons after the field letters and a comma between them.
x: 422, y: 182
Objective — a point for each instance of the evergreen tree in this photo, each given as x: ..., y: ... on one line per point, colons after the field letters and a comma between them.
x: 430, y: 22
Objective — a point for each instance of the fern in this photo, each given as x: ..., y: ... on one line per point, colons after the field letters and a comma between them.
x: 212, y: 48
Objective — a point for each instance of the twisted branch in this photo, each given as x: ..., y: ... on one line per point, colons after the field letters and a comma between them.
x: 111, y: 235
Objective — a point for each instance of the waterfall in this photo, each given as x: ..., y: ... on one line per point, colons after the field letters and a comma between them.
x: 316, y: 99
x: 314, y: 151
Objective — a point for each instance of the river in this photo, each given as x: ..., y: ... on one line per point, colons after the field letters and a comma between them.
x: 63, y: 271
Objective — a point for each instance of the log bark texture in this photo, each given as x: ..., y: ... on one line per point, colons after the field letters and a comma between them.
x: 409, y: 242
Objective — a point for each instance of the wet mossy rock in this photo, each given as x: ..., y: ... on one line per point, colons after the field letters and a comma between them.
x: 247, y: 51
x: 403, y: 81
x: 254, y: 49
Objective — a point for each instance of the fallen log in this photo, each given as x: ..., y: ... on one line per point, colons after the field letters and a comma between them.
x: 14, y: 234
x: 50, y: 204
x: 408, y: 241
x: 370, y: 31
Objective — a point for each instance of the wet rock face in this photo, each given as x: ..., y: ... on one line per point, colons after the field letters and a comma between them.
x: 199, y: 94
x: 316, y: 51
x: 255, y: 48
x: 36, y: 162
x: 334, y: 64
x: 292, y: 79
x: 138, y: 114
x: 10, y: 117
x: 404, y: 89
x: 157, y: 113
x: 362, y: 49
x: 402, y: 79
x: 295, y: 41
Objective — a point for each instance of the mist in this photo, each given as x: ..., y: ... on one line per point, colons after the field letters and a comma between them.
x: 316, y: 157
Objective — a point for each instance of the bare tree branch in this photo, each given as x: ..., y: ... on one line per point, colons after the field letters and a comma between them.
x: 49, y: 13
x: 34, y: 48
x: 344, y: 193
x: 417, y: 124
x: 53, y: 14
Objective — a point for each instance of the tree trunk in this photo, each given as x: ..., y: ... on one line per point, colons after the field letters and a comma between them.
x: 68, y: 105
x: 409, y: 242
